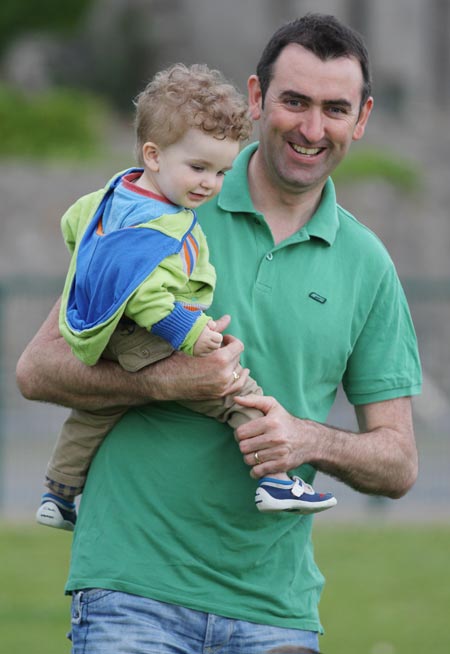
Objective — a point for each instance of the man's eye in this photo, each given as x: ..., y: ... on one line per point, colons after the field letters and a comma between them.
x: 337, y: 110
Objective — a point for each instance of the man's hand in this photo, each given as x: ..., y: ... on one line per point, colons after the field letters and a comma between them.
x: 381, y: 459
x: 211, y: 377
x: 183, y: 377
x: 274, y: 437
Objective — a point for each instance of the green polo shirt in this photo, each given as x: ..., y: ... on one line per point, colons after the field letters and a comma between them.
x: 168, y: 510
x: 324, y: 305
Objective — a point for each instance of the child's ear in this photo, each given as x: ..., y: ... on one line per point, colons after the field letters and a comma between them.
x: 150, y: 154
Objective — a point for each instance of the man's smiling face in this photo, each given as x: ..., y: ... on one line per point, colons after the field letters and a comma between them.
x: 311, y: 114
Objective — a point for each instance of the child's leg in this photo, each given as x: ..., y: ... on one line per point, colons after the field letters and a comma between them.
x: 79, y: 439
x: 134, y: 347
x: 276, y: 491
x: 83, y: 432
x: 81, y: 435
x: 225, y: 409
x: 237, y: 415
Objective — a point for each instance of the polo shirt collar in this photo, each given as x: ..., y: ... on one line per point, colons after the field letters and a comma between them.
x: 324, y: 223
x: 235, y: 198
x: 235, y: 194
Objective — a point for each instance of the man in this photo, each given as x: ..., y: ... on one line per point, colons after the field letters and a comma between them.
x: 163, y: 567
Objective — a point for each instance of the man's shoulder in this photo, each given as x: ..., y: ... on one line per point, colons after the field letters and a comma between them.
x: 355, y: 233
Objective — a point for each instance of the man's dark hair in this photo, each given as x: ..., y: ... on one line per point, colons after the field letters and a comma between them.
x: 326, y: 37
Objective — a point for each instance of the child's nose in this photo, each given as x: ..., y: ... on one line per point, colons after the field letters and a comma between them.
x: 209, y: 181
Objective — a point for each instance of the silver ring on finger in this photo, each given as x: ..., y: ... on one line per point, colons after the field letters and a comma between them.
x: 257, y: 459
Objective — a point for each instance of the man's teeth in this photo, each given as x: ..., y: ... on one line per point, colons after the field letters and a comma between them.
x: 301, y: 150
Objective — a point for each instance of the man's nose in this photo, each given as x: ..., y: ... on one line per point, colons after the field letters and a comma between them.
x: 312, y: 125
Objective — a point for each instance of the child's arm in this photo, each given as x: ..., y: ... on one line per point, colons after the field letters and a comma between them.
x: 154, y: 306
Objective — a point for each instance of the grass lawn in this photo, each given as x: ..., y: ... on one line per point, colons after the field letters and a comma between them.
x: 34, y: 613
x: 387, y: 591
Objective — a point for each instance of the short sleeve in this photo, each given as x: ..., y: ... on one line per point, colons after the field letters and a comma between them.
x: 384, y: 363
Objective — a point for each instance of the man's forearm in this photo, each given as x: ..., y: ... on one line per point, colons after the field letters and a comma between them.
x: 373, y: 463
x: 48, y: 372
x: 381, y: 460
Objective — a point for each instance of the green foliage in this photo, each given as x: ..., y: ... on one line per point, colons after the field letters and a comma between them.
x: 58, y: 123
x: 387, y: 589
x: 20, y: 16
x: 360, y: 165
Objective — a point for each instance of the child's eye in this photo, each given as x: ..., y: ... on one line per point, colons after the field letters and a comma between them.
x: 198, y: 169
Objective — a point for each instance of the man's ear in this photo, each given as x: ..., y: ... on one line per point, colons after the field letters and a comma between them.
x: 254, y: 97
x: 150, y: 155
x: 364, y: 114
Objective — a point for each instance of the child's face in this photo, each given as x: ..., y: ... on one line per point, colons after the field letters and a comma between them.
x: 190, y: 171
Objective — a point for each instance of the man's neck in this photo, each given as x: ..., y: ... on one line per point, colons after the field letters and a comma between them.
x: 285, y: 211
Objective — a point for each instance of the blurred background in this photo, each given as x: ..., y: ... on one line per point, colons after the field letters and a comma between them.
x: 68, y: 74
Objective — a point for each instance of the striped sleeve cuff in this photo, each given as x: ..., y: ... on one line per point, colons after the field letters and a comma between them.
x: 176, y: 326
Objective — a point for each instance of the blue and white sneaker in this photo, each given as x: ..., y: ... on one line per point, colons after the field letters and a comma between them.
x: 56, y: 512
x: 296, y: 495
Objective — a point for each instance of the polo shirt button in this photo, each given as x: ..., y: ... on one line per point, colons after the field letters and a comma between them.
x: 269, y: 256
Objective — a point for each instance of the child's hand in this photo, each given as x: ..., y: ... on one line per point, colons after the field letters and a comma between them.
x: 208, y: 341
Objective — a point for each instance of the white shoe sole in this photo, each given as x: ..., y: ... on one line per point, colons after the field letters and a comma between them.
x: 49, y: 515
x: 268, y: 504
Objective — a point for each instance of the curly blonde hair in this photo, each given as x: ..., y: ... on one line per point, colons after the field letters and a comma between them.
x: 182, y: 97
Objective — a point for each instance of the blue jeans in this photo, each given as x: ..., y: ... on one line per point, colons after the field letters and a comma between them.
x: 111, y: 622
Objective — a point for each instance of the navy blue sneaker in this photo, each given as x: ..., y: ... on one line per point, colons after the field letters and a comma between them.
x: 56, y: 512
x: 295, y: 495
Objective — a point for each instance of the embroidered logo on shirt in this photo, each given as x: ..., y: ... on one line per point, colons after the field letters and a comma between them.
x: 317, y: 297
